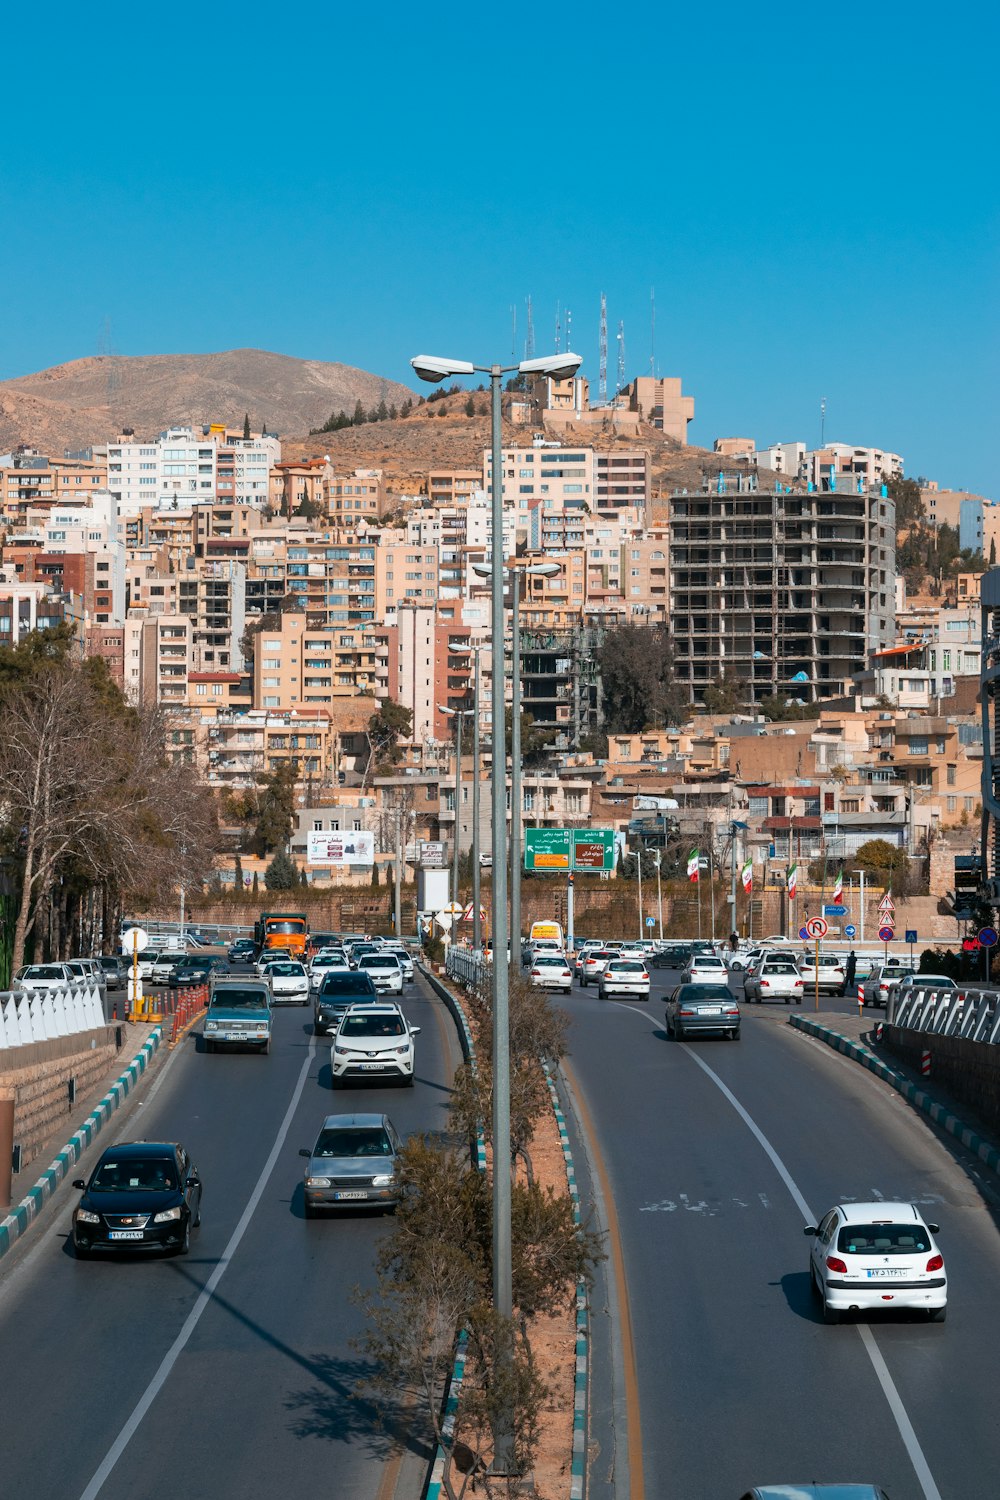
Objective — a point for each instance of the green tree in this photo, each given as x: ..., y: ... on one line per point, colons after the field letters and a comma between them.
x: 387, y: 726
x: 882, y: 860
x: 993, y: 551
x: 382, y: 412
x: 376, y: 879
x: 909, y: 505
x: 238, y: 874
x: 778, y: 708
x: 276, y: 810
x: 311, y: 510
x: 255, y: 886
x: 246, y: 427
x: 360, y: 416
x: 282, y: 873
x: 470, y: 407
x: 723, y: 696
x: 637, y: 679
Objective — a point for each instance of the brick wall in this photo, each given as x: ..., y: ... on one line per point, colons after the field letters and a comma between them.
x: 39, y: 1076
x: 968, y: 1070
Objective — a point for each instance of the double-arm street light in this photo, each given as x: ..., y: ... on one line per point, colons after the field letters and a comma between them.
x: 433, y: 368
x: 458, y: 714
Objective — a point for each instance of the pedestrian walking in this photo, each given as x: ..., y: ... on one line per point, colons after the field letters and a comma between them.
x: 850, y: 971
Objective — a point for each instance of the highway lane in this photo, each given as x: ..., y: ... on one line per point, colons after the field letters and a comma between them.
x: 739, y: 1378
x: 262, y: 1390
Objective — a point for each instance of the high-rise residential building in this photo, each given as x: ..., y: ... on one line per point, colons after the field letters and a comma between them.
x: 191, y: 466
x: 299, y: 665
x: 779, y: 591
x: 214, y: 598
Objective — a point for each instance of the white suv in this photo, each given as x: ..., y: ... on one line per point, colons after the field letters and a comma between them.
x: 385, y: 970
x: 373, y: 1041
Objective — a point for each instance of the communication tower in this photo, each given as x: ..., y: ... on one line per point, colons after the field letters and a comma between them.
x: 602, y: 389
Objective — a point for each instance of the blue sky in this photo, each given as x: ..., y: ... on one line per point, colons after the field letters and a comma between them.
x: 811, y: 191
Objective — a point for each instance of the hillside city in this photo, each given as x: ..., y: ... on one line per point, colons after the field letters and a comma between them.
x: 776, y: 662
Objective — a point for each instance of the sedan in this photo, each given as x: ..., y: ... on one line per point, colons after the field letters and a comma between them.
x: 165, y: 965
x: 191, y: 971
x: 706, y: 967
x: 671, y: 955
x: 115, y: 970
x: 385, y: 971
x: 828, y: 969
x: 875, y: 1256
x: 774, y: 979
x: 289, y: 983
x: 142, y: 1195
x: 322, y: 962
x: 624, y: 976
x: 242, y: 951
x: 595, y: 962
x: 353, y: 1164
x: 696, y: 1008
x: 883, y: 978
x: 550, y: 971
x: 43, y: 977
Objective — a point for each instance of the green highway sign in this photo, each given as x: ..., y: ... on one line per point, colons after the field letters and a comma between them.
x: 569, y: 849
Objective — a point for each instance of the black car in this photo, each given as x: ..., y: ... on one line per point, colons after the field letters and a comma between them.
x: 116, y: 970
x: 242, y: 951
x: 197, y: 970
x: 671, y: 956
x: 340, y: 990
x: 142, y: 1195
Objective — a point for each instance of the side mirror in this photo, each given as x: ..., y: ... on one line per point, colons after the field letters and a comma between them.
x: 414, y: 1030
x: 934, y: 1228
x: 78, y: 1182
x: 810, y: 1229
x: 304, y: 1152
x: 194, y: 1180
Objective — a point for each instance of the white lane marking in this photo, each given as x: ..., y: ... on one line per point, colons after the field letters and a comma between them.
x: 895, y: 1402
x: 193, y: 1318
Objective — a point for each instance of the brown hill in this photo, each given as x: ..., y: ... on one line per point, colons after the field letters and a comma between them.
x: 90, y: 400
x: 440, y: 435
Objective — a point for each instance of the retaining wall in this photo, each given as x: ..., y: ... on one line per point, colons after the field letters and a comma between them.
x: 970, y: 1071
x: 39, y: 1074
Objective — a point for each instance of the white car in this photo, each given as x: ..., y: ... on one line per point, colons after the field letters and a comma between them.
x: 271, y: 956
x: 830, y: 970
x: 550, y: 971
x: 43, y: 977
x: 882, y: 980
x: 774, y: 979
x: 321, y: 963
x: 385, y: 971
x: 166, y: 962
x: 705, y: 968
x: 402, y: 956
x: 594, y: 964
x: 875, y: 1256
x: 289, y: 982
x: 582, y: 953
x: 373, y: 1040
x: 624, y: 976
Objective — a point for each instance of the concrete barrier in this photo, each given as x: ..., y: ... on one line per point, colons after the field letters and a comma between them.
x: 31, y: 1205
x: 28, y: 1016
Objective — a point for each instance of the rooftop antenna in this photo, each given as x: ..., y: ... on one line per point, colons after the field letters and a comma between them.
x: 558, y: 330
x: 569, y: 329
x: 602, y: 390
x: 621, y: 356
x: 822, y: 422
x: 513, y: 331
x: 529, y: 338
x: 652, y: 332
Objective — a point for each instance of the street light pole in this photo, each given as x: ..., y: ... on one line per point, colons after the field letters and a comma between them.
x: 515, y: 765
x: 455, y: 855
x: 477, y: 924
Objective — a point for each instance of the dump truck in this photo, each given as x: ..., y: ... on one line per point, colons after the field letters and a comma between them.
x: 282, y: 929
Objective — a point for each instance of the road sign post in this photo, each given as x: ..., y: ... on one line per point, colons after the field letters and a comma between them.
x: 885, y: 936
x: 987, y: 940
x: 817, y: 930
x: 850, y: 931
x: 911, y: 938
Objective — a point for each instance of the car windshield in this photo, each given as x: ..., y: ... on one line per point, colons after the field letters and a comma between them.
x: 42, y: 971
x: 136, y: 1176
x: 379, y: 961
x: 627, y: 966
x: 294, y: 971
x: 287, y: 927
x: 359, y: 1141
x: 689, y: 992
x: 883, y: 1239
x: 604, y: 953
x: 248, y: 999
x: 707, y: 961
x: 348, y: 984
x: 551, y: 963
x: 939, y: 981
x: 372, y: 1026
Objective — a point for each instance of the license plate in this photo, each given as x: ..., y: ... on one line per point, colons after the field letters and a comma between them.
x: 237, y: 1036
x: 711, y: 1010
x: 125, y: 1234
x: 372, y: 1067
x: 885, y: 1275
x: 342, y: 1196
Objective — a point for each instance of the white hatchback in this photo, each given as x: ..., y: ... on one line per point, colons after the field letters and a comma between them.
x: 871, y: 1256
x: 625, y: 976
x: 289, y: 982
x: 550, y: 971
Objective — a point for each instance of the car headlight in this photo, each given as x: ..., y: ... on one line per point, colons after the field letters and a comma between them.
x: 401, y: 1051
x: 341, y: 1051
x: 167, y: 1215
x: 381, y: 1181
x: 84, y: 1216
x: 211, y: 1025
x: 317, y: 1182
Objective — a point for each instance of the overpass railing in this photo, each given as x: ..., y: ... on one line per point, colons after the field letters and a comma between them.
x: 38, y: 1016
x: 972, y: 1013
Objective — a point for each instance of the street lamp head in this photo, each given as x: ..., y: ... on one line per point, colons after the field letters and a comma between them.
x: 559, y: 366
x: 542, y: 570
x: 433, y: 368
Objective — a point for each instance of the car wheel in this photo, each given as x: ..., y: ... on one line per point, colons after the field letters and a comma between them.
x: 185, y: 1244
x: 937, y: 1314
x: 734, y: 1035
x: 798, y: 1000
x: 678, y: 1033
x: 830, y: 1314
x: 670, y: 1029
x: 209, y: 1044
x: 309, y: 1211
x: 583, y: 983
x: 81, y: 1252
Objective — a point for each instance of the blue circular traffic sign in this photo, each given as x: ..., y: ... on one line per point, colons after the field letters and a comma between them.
x: 804, y: 934
x: 886, y: 934
x: 987, y: 937
x: 850, y: 931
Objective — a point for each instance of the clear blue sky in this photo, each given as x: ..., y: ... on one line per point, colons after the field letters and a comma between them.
x: 811, y: 191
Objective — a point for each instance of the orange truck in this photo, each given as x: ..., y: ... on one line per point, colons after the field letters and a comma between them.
x: 282, y: 929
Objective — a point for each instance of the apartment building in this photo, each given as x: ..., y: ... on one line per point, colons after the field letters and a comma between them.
x: 404, y: 574
x: 158, y: 656
x: 352, y: 498
x: 238, y: 748
x: 28, y: 481
x: 447, y: 488
x: 334, y: 585
x: 622, y: 479
x: 424, y: 663
x: 213, y: 596
x: 544, y: 469
x: 182, y: 466
x: 661, y: 404
x: 25, y: 607
x: 784, y: 592
x: 297, y: 665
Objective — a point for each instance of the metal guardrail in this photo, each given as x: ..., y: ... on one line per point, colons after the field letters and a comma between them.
x: 39, y: 1015
x: 970, y: 1013
x: 467, y: 966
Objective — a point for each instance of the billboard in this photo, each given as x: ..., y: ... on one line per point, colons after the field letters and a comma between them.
x: 569, y: 849
x: 340, y: 848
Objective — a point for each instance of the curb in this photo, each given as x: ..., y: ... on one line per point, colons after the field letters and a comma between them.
x: 30, y: 1206
x: 920, y: 1100
x: 582, y: 1377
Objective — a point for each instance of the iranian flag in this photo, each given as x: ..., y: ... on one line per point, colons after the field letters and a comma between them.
x: 838, y: 887
x: 793, y: 881
x: 693, y: 865
x: 748, y: 876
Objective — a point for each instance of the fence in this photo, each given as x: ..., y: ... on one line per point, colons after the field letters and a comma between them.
x: 972, y: 1014
x: 38, y: 1016
x: 470, y: 969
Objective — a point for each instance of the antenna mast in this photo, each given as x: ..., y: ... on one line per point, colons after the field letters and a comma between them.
x: 513, y: 332
x: 621, y: 357
x: 822, y: 421
x: 529, y: 338
x: 652, y: 332
x: 603, y: 387
x: 558, y: 330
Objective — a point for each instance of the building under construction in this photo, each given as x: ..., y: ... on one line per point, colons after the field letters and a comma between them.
x: 786, y: 590
x: 560, y: 683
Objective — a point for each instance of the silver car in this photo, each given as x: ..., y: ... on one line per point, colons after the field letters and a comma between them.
x: 42, y: 977
x: 352, y: 1165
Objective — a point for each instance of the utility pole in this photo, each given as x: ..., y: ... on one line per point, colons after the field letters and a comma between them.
x: 398, y: 895
x: 477, y: 921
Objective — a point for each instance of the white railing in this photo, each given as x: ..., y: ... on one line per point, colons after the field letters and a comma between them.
x: 970, y: 1013
x: 467, y: 966
x: 38, y: 1016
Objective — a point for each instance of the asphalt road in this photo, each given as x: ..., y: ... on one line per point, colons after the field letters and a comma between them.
x: 739, y: 1379
x: 256, y: 1395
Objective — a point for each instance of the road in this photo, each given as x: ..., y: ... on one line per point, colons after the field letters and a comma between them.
x: 739, y: 1379
x: 252, y: 1390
